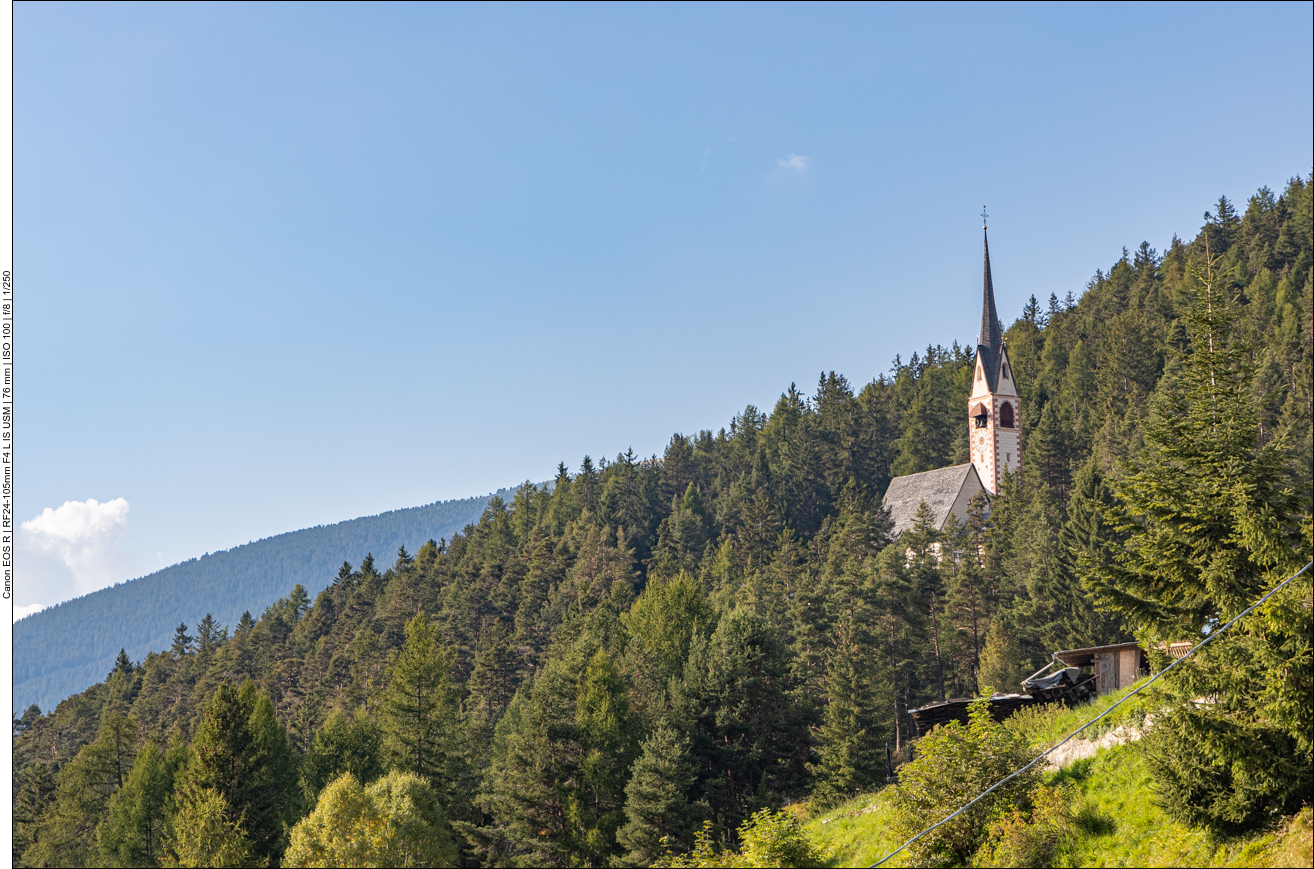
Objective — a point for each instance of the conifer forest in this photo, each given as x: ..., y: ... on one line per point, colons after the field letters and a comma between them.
x: 650, y: 650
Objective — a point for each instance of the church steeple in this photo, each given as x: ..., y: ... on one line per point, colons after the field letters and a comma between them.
x: 994, y: 409
x: 990, y: 340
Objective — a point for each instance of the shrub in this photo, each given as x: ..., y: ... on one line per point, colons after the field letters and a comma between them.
x: 953, y: 765
x: 1027, y: 839
x: 767, y: 839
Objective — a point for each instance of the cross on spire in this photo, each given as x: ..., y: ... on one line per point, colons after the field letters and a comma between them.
x: 983, y: 216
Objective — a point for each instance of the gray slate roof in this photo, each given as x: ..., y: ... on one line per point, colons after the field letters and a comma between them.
x: 940, y: 489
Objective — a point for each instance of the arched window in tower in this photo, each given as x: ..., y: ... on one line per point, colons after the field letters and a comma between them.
x: 1006, y: 415
x: 980, y: 415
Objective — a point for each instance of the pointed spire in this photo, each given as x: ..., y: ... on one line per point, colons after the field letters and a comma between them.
x: 990, y: 336
x: 991, y: 340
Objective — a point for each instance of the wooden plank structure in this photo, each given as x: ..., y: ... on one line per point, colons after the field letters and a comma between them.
x: 1114, y: 667
x: 1083, y: 675
x: 955, y: 709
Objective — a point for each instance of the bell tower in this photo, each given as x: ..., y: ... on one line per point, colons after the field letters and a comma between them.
x: 994, y: 410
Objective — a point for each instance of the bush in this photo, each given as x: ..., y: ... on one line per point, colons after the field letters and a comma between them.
x: 767, y: 839
x: 1027, y: 839
x: 953, y: 765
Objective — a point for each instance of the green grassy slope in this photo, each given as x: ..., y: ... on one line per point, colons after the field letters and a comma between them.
x: 1119, y: 825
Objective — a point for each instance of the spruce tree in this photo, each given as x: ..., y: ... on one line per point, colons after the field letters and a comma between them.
x: 182, y: 641
x: 122, y: 664
x: 66, y: 835
x: 749, y: 737
x: 659, y: 817
x: 536, y: 764
x: 1086, y: 541
x: 970, y: 599
x: 344, y: 577
x: 347, y: 742
x: 1211, y: 524
x: 607, y: 736
x: 421, y: 714
x: 240, y: 752
x: 495, y: 675
x: 851, y: 758
x: 34, y: 788
x: 660, y: 626
x: 207, y: 635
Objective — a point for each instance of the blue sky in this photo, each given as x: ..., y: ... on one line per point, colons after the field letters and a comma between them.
x: 280, y: 265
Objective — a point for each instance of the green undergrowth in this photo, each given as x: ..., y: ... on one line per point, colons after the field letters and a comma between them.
x: 856, y: 833
x: 1045, y: 725
x: 1117, y: 821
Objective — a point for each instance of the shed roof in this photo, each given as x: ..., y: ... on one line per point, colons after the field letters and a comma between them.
x: 939, y: 489
x: 1086, y: 657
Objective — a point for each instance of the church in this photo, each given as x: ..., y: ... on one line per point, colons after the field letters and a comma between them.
x: 994, y: 428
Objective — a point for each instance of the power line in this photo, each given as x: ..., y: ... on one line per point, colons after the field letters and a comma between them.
x: 1206, y: 641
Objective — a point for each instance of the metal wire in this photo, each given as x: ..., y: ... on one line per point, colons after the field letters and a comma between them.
x: 1206, y: 641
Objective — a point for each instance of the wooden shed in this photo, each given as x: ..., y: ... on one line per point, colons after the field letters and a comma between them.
x: 1114, y: 667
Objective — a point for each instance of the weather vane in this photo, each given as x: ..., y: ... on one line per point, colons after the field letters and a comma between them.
x: 983, y: 216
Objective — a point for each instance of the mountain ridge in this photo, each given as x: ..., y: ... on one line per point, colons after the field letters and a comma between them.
x: 64, y: 648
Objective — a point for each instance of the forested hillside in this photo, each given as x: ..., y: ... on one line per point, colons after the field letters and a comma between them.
x: 63, y: 649
x: 599, y: 667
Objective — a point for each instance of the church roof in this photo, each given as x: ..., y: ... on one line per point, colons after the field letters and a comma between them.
x: 941, y: 489
x: 991, y: 341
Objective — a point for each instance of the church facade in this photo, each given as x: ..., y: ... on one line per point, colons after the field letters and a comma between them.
x: 994, y: 427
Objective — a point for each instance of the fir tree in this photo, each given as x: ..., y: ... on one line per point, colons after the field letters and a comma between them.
x: 659, y: 817
x: 347, y: 743
x: 1211, y: 525
x: 850, y: 754
x: 607, y: 736
x: 421, y: 712
x: 240, y: 752
x: 182, y: 642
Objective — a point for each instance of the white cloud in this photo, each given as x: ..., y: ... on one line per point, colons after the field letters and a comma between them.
x: 24, y: 611
x: 796, y: 162
x: 71, y: 550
